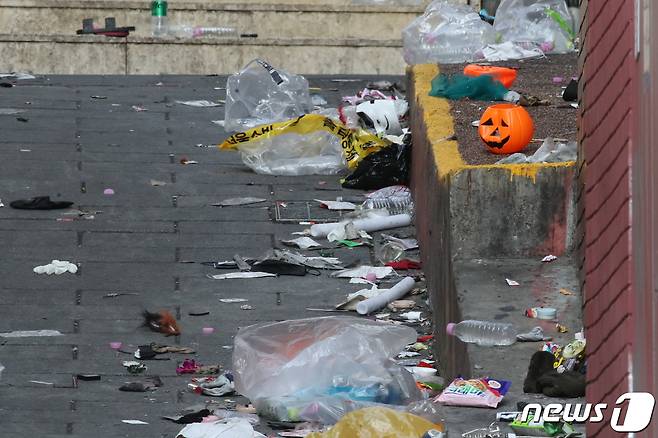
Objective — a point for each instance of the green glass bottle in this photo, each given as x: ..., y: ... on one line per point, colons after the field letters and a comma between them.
x: 159, y: 17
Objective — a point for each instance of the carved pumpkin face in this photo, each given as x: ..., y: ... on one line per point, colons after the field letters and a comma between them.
x: 506, y: 128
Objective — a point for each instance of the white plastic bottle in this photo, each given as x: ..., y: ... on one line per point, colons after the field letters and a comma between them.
x: 483, y: 333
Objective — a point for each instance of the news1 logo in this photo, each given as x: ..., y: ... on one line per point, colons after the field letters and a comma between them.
x: 639, y: 410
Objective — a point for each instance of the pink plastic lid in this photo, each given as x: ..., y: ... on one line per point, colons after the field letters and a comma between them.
x: 450, y: 328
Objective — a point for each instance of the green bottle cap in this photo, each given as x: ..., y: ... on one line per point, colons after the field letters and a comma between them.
x: 159, y: 8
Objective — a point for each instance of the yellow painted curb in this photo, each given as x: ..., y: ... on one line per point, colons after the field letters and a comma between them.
x: 440, y: 132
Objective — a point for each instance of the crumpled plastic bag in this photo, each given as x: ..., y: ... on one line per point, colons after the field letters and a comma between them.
x: 548, y: 152
x: 315, y: 358
x: 446, y: 33
x: 229, y: 428
x: 535, y: 23
x: 378, y: 422
x: 262, y: 94
x: 307, y: 145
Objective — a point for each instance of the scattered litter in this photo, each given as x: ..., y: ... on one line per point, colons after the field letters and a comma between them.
x: 404, y: 264
x: 213, y: 386
x: 336, y: 205
x: 229, y: 428
x: 30, y: 333
x: 379, y: 421
x: 561, y: 328
x: 311, y: 144
x: 161, y: 322
x: 460, y: 86
x: 17, y: 76
x: 1, y: 204
x: 549, y: 258
x: 24, y: 120
x: 56, y: 267
x: 134, y: 422
x: 238, y: 201
x: 219, y: 122
x: 134, y: 367
x: 412, y: 316
x: 116, y: 345
x: 385, y: 296
x: 10, y: 111
x: 139, y: 108
x: 548, y: 152
x: 398, y: 305
x: 118, y: 294
x: 512, y: 282
x: 368, y: 225
x: 233, y: 300
x: 185, y: 161
x: 547, y: 313
x: 99, y: 97
x: 362, y: 271
x: 446, y: 33
x: 418, y: 346
x: 506, y: 51
x: 474, y: 393
x: 534, y: 335
x: 302, y: 243
x: 39, y: 382
x: 39, y: 203
x: 88, y: 377
x: 232, y: 275
x: 199, y: 103
x: 190, y: 366
x: 261, y: 94
x: 246, y: 307
x: 406, y: 244
x: 208, y: 330
x: 406, y: 354
x: 150, y: 384
x: 156, y: 183
x: 108, y: 192
x: 564, y: 291
x: 307, y: 356
x: 318, y: 100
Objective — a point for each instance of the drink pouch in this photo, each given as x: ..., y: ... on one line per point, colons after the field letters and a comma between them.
x: 482, y: 392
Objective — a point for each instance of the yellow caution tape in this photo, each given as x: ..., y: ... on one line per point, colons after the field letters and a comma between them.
x: 356, y: 143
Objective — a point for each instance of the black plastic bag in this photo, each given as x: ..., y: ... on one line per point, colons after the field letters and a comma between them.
x: 384, y: 168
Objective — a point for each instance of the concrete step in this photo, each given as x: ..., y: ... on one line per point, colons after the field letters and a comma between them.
x: 69, y: 54
x: 267, y: 18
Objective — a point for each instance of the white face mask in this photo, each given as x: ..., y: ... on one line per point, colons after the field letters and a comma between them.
x: 381, y: 115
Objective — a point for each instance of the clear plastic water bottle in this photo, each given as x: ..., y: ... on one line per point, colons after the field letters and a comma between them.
x: 159, y: 18
x: 186, y: 31
x: 483, y: 333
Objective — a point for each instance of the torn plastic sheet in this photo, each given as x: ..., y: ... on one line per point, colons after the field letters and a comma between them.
x: 548, y: 152
x: 239, y: 201
x: 232, y: 275
x: 17, y: 76
x: 213, y: 386
x: 134, y: 422
x: 362, y: 272
x: 404, y: 243
x: 336, y: 205
x: 199, y: 103
x: 233, y: 300
x: 302, y: 243
x: 10, y: 111
x: 229, y: 428
x: 507, y: 50
x: 30, y: 333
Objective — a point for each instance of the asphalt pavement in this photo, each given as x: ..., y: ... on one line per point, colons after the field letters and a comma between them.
x: 139, y: 248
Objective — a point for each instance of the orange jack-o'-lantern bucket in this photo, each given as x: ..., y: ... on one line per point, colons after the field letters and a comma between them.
x: 506, y: 128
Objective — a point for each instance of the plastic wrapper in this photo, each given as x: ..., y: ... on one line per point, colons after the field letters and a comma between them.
x: 445, y: 33
x: 282, y: 366
x: 459, y: 86
x: 261, y: 94
x: 545, y: 24
x: 378, y: 422
x: 389, y: 166
x: 474, y: 392
x: 307, y: 145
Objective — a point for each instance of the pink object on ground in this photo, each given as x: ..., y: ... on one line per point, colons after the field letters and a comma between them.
x: 450, y: 328
x: 108, y: 192
x: 208, y: 330
x: 371, y: 276
x: 115, y: 345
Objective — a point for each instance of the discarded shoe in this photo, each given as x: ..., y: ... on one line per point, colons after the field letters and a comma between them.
x: 39, y: 203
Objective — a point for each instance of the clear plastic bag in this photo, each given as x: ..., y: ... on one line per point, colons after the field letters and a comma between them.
x: 308, y: 145
x: 446, y: 33
x: 282, y: 366
x: 545, y: 24
x: 261, y: 94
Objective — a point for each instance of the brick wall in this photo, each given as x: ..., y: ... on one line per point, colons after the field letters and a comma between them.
x: 606, y: 123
